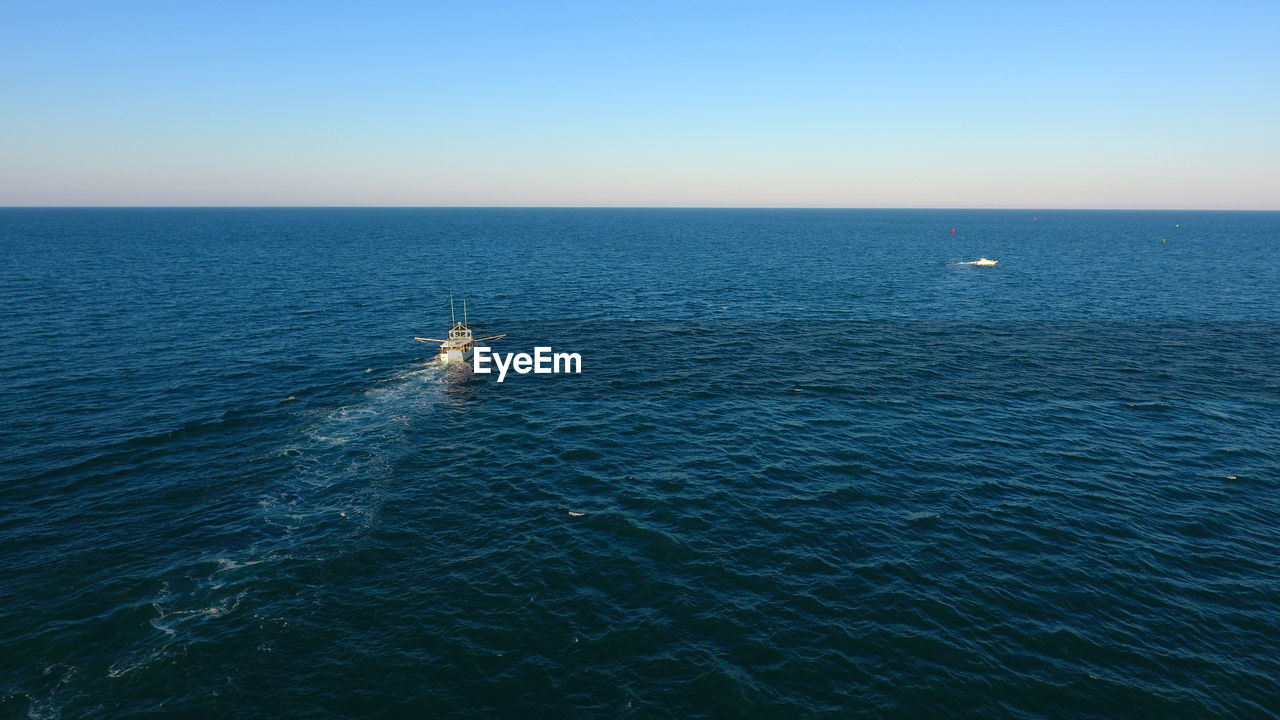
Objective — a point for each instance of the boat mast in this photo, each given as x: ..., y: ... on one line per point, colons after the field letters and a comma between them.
x: 452, y: 317
x: 464, y: 311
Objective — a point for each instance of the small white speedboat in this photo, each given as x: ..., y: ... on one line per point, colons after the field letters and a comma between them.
x: 984, y: 262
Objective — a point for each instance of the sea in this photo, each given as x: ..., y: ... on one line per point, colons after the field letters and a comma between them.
x: 809, y: 469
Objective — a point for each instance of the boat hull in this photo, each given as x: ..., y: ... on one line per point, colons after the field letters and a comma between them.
x: 453, y: 355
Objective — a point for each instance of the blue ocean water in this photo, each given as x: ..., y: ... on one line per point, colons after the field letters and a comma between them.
x: 815, y: 470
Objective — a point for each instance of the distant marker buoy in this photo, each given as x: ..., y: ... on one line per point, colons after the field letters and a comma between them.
x: 953, y: 231
x: 1033, y: 219
x: 1164, y: 241
x: 1177, y: 225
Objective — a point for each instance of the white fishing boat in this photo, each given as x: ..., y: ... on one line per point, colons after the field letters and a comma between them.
x: 460, y: 345
x: 983, y: 262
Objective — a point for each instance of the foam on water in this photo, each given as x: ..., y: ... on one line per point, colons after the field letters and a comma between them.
x: 330, y: 496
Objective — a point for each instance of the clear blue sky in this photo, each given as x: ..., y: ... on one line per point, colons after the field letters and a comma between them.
x: 913, y: 104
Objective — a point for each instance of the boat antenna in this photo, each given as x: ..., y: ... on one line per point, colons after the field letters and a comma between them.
x: 452, y: 317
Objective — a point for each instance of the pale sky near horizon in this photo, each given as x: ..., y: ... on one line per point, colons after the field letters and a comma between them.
x: 914, y: 104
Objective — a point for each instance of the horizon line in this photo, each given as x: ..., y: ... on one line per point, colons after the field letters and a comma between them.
x: 625, y: 207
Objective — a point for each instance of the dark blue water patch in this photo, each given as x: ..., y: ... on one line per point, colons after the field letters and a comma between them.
x: 808, y: 468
